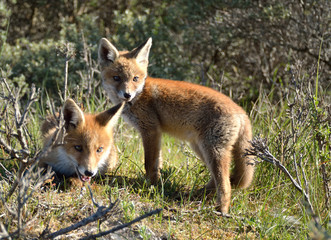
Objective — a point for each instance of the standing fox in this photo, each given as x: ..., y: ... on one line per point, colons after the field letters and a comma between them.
x: 88, y: 145
x: 216, y: 128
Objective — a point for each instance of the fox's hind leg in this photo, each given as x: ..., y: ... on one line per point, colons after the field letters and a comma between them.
x: 218, y: 161
x: 216, y: 146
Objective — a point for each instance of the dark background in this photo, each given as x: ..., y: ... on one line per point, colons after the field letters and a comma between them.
x: 234, y: 46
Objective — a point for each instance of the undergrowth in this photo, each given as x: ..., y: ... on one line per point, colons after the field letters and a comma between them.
x: 296, y: 129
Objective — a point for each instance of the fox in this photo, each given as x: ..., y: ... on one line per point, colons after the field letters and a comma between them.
x: 217, y: 129
x: 88, y: 144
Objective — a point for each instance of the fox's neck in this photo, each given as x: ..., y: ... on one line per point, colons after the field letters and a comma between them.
x: 139, y: 93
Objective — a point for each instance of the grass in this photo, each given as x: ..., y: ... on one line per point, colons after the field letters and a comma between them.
x: 297, y: 132
x: 264, y: 207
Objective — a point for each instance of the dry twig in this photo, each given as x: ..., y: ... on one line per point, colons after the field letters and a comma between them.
x: 101, y: 211
x: 117, y: 228
x: 260, y: 149
x: 68, y: 51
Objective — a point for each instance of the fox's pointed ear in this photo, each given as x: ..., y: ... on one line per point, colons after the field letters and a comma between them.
x: 107, y: 52
x: 141, y: 53
x: 110, y: 117
x: 73, y: 115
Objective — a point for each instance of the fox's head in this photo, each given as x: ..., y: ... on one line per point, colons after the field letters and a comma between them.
x: 89, y: 138
x: 124, y: 72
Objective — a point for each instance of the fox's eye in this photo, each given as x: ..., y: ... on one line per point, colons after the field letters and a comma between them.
x: 117, y: 78
x: 78, y: 148
x: 100, y: 149
x: 135, y: 79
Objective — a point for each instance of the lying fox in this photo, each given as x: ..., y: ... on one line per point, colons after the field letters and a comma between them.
x: 216, y: 128
x: 88, y: 146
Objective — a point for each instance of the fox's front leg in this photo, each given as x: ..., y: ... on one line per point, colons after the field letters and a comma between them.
x: 153, y: 159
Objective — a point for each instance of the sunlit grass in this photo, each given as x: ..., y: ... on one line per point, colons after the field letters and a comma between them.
x: 270, y: 209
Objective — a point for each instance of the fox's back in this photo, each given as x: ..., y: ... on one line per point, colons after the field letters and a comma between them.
x: 189, y: 95
x: 182, y: 108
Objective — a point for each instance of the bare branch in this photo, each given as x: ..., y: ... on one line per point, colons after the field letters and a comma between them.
x: 8, y: 149
x: 8, y: 173
x: 12, y: 189
x: 4, y: 234
x: 93, y: 201
x: 156, y: 211
x: 29, y: 177
x: 68, y: 52
x: 7, y: 88
x: 102, y: 211
x: 20, y: 122
x: 303, y: 173
x: 12, y: 212
x: 260, y: 149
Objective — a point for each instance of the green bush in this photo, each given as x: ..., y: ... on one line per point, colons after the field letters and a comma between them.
x: 236, y: 46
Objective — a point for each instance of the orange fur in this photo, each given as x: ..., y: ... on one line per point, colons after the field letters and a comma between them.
x: 88, y: 145
x: 216, y: 127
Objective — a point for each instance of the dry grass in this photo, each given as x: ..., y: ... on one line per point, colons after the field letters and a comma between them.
x: 297, y: 129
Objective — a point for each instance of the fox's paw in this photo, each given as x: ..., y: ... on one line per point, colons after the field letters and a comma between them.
x: 154, y: 177
x: 223, y: 210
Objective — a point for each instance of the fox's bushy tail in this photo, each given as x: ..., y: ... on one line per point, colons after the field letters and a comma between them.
x: 243, y: 171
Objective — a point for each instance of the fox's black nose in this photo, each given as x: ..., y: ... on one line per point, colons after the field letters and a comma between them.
x: 127, y: 95
x: 88, y: 173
